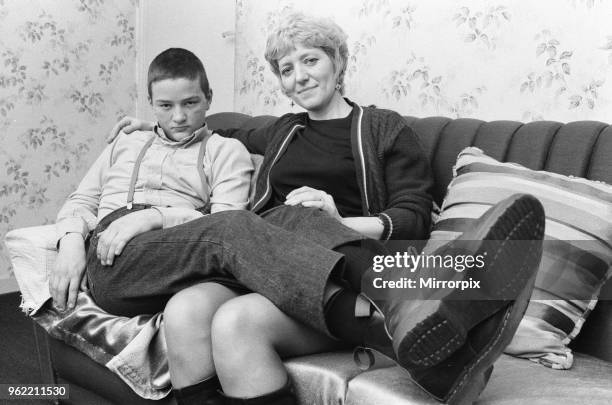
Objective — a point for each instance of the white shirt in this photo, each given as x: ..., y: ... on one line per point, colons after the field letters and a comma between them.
x: 168, y: 180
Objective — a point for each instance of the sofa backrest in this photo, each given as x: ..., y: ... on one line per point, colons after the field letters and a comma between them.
x: 581, y: 149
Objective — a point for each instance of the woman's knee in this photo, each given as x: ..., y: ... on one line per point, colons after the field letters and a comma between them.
x: 238, y: 319
x: 195, y: 307
x: 251, y: 325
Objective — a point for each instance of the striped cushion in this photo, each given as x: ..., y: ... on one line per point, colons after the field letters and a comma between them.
x: 577, y: 256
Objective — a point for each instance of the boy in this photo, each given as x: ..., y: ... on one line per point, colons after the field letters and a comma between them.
x: 154, y: 180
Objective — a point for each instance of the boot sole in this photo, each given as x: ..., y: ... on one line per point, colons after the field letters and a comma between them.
x: 473, y: 380
x: 440, y: 334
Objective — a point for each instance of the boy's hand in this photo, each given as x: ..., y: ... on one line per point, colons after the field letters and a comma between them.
x: 128, y: 125
x: 68, y: 272
x: 114, y: 238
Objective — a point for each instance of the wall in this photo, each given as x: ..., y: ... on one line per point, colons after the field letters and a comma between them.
x: 67, y: 72
x: 70, y: 68
x: 205, y: 27
x: 496, y: 59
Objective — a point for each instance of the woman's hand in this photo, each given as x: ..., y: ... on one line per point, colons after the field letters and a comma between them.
x: 371, y: 227
x: 68, y: 272
x: 311, y: 197
x: 114, y: 238
x: 128, y: 125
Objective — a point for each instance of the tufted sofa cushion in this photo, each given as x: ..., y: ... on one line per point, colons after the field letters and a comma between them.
x: 577, y: 148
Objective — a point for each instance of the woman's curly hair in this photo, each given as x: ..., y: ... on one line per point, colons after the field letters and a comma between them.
x: 311, y: 32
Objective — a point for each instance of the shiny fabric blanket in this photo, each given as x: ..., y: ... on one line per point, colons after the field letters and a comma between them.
x: 133, y: 348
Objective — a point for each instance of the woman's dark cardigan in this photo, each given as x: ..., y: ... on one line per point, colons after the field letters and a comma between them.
x: 393, y: 172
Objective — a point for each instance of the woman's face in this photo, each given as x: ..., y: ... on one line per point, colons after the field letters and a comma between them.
x: 308, y: 77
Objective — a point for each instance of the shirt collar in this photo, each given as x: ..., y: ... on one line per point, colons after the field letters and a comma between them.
x: 196, y: 136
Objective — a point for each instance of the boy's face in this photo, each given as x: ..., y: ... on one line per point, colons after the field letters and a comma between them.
x: 179, y: 105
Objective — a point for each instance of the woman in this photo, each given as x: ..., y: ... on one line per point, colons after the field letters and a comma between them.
x: 365, y: 173
x: 318, y: 169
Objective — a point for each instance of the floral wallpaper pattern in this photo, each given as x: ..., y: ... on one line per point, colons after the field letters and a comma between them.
x: 67, y: 72
x: 487, y: 59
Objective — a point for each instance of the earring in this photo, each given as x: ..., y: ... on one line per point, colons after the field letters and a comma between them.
x: 338, y: 86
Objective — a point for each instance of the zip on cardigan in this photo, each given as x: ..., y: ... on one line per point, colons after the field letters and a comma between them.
x: 280, y: 150
x: 361, y: 162
x: 362, y: 159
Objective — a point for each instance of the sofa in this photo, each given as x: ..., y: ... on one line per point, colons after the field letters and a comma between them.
x: 582, y: 149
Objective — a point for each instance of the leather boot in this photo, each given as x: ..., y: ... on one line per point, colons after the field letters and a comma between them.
x: 441, y: 326
x: 282, y: 396
x: 463, y: 375
x: 448, y: 345
x: 459, y: 379
x: 205, y: 392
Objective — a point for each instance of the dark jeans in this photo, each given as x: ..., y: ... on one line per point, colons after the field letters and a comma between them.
x: 285, y: 254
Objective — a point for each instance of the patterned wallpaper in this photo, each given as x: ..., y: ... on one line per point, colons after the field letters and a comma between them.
x: 67, y: 72
x: 487, y: 59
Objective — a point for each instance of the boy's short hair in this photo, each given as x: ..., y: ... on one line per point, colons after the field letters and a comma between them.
x: 313, y: 32
x: 176, y: 63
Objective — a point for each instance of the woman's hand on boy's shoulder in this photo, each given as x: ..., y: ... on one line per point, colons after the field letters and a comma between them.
x: 128, y: 125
